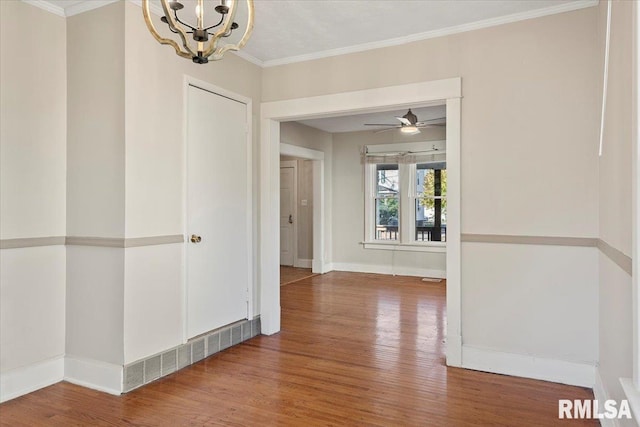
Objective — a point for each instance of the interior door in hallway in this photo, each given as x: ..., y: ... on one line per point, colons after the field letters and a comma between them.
x: 287, y: 204
x: 218, y: 212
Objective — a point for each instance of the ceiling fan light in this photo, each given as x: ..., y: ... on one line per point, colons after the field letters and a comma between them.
x: 409, y: 130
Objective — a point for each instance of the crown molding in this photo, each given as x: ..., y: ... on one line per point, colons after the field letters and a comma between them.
x: 492, y: 22
x: 153, y: 7
x: 247, y: 57
x: 45, y: 5
x: 86, y: 6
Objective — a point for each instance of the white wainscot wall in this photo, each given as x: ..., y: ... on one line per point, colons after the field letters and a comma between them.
x: 153, y: 300
x: 531, y: 310
x: 32, y: 318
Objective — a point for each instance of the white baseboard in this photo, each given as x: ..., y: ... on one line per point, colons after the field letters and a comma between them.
x: 302, y: 263
x: 557, y: 371
x: 388, y: 269
x: 93, y: 374
x: 633, y: 397
x: 20, y: 381
x: 600, y: 394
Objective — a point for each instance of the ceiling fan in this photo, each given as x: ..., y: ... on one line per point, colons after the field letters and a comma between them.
x: 409, y: 124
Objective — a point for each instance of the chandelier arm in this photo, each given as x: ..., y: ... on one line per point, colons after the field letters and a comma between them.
x: 175, y: 13
x: 211, y: 47
x: 214, y: 26
x: 156, y: 35
x: 219, y: 53
x: 172, y: 25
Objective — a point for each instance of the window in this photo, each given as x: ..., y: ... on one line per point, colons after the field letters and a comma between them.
x: 406, y: 196
x: 431, y: 202
x: 387, y: 202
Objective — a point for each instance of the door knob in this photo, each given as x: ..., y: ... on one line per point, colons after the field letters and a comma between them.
x: 195, y: 239
x: 290, y: 219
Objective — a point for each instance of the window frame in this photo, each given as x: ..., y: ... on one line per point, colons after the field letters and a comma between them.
x: 406, y: 201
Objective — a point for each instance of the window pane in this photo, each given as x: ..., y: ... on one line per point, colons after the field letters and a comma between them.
x: 431, y: 179
x: 431, y: 219
x: 388, y: 180
x: 387, y: 218
x: 431, y: 202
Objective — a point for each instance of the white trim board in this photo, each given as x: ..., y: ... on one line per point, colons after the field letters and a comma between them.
x: 303, y: 263
x: 318, y: 174
x: 94, y: 374
x: 557, y: 371
x: 388, y: 269
x: 27, y: 379
x: 601, y: 394
x: 446, y: 91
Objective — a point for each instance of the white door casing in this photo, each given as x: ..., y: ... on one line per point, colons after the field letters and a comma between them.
x: 288, y: 215
x: 218, y: 210
x: 448, y: 91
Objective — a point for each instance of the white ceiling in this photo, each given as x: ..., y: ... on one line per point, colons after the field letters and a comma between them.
x: 294, y: 30
x: 356, y: 122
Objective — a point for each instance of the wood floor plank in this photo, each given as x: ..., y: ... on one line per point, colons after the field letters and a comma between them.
x: 355, y: 349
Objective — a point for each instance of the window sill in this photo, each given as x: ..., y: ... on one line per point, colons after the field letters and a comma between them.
x: 410, y: 247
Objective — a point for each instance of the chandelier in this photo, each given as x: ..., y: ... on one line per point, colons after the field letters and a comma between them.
x: 207, y: 34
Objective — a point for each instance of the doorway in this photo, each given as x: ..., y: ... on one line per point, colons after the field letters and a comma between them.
x: 447, y: 91
x: 218, y: 209
x: 288, y: 212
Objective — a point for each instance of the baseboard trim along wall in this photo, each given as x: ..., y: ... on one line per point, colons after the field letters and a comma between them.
x: 601, y: 395
x: 303, y: 263
x: 115, y: 379
x: 557, y: 371
x: 93, y: 374
x: 388, y: 269
x: 20, y: 381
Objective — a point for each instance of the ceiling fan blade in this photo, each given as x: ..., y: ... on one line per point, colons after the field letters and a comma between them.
x: 421, y: 122
x: 382, y: 124
x: 385, y: 130
x: 431, y: 125
x: 404, y: 121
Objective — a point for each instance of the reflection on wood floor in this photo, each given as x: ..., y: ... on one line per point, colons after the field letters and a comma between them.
x: 293, y: 274
x: 355, y: 349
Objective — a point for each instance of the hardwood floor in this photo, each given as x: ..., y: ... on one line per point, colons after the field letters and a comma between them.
x: 293, y: 274
x: 355, y: 349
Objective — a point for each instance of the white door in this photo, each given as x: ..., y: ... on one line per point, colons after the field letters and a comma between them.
x: 218, y: 212
x: 287, y: 190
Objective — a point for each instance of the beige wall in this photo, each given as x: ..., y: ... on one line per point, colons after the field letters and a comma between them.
x: 96, y: 122
x: 95, y: 183
x: 529, y: 115
x: 33, y: 134
x: 615, y: 297
x: 528, y: 165
x: 34, y: 128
